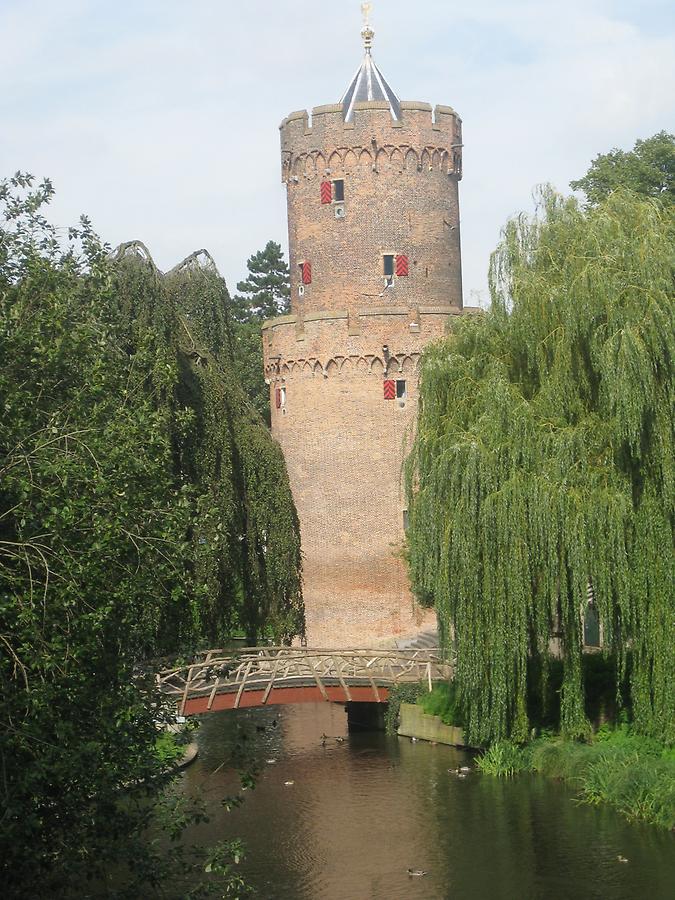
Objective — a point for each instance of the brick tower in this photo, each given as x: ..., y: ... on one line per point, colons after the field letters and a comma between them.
x: 373, y: 224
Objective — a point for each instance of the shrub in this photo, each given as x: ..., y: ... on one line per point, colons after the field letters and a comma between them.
x: 442, y: 701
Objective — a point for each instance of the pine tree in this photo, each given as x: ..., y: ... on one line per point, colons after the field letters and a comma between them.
x: 263, y: 295
x: 266, y: 292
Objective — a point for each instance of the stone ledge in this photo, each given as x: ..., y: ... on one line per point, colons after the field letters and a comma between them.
x: 384, y: 311
x: 440, y: 311
x: 325, y: 315
x: 280, y: 320
x: 338, y: 314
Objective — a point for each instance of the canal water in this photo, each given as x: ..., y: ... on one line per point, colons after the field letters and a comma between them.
x: 344, y: 817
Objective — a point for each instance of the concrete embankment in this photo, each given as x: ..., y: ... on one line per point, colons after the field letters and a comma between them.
x: 414, y: 722
x: 189, y: 756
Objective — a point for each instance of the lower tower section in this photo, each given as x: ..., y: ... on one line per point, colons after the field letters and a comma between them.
x: 344, y: 394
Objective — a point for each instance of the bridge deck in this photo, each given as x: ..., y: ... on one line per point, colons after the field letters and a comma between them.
x: 260, y: 676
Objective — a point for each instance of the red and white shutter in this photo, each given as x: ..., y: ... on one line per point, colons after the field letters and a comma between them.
x: 389, y: 389
x: 307, y: 273
x: 326, y: 192
x: 277, y: 397
x: 401, y: 267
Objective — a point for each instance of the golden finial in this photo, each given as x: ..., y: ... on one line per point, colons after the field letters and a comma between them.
x: 367, y: 32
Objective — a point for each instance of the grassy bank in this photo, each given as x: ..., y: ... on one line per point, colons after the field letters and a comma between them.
x: 635, y: 775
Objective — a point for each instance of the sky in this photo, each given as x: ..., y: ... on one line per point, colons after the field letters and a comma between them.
x: 159, y: 120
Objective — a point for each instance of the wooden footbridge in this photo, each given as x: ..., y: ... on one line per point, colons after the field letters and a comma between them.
x: 258, y: 676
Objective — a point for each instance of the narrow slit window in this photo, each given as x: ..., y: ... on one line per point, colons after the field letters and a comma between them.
x: 388, y: 265
x: 591, y: 626
x: 401, y: 390
x: 339, y: 190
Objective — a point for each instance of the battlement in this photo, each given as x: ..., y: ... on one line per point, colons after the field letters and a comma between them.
x: 420, y: 127
x: 415, y: 113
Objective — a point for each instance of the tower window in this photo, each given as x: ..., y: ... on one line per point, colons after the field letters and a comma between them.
x: 339, y: 190
x: 306, y: 272
x: 388, y: 264
x: 591, y: 626
x: 280, y: 398
x: 401, y: 390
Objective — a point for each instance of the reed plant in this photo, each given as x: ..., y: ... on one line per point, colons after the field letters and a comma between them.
x: 633, y: 774
x: 504, y: 760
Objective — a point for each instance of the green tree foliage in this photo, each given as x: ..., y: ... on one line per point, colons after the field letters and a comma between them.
x: 544, y: 459
x: 266, y: 292
x: 244, y: 530
x: 648, y: 169
x: 143, y: 507
x: 263, y: 295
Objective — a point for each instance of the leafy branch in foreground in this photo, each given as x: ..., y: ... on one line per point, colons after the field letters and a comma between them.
x: 139, y: 503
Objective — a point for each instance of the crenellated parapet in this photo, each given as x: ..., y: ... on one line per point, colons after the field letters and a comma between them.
x: 423, y: 139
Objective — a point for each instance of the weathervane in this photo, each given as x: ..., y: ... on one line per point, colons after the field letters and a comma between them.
x: 367, y: 32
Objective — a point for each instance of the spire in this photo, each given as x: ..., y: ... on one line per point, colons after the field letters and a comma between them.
x: 368, y: 83
x: 367, y: 32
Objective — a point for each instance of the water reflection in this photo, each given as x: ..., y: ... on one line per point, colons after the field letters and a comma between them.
x: 362, y: 810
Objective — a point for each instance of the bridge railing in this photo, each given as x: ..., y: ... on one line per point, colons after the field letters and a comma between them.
x: 264, y: 668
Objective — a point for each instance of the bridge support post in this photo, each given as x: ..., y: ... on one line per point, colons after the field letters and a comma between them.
x: 365, y: 716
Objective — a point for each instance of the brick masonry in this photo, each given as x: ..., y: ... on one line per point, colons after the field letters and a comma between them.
x: 344, y: 443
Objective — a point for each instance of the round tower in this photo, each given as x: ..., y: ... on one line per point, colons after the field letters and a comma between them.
x: 373, y: 222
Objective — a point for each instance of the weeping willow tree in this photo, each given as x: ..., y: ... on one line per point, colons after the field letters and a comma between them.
x: 247, y: 533
x: 244, y: 533
x: 544, y: 462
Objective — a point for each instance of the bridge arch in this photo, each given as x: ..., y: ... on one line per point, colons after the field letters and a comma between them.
x: 280, y: 675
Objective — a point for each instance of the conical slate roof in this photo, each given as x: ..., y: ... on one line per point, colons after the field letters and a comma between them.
x: 368, y: 84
